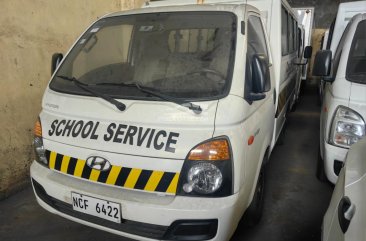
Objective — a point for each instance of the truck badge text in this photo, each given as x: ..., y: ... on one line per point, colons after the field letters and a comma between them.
x: 118, y: 133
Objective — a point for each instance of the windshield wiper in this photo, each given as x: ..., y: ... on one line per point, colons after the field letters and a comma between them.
x: 120, y: 106
x: 195, y: 108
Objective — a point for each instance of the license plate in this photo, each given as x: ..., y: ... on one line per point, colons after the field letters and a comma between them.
x: 97, y: 207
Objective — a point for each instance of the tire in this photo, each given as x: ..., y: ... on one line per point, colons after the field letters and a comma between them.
x: 320, y: 94
x: 281, y: 138
x: 254, y: 212
x: 294, y: 106
x: 320, y: 173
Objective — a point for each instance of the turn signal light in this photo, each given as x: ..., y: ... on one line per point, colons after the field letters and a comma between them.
x: 215, y: 150
x: 39, y: 149
x: 38, y: 128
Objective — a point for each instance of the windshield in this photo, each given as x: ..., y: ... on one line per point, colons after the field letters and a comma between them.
x: 356, y: 66
x: 183, y: 55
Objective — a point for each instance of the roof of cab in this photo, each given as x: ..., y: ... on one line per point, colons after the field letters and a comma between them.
x: 189, y: 2
x: 211, y: 5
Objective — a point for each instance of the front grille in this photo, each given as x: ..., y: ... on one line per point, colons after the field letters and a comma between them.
x: 131, y: 227
x: 126, y: 177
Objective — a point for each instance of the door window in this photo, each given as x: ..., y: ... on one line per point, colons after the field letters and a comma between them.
x: 339, y: 50
x: 290, y: 34
x: 256, y: 44
x: 284, y: 30
x: 356, y: 71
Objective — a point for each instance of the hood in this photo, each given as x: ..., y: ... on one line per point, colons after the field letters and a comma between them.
x: 146, y: 128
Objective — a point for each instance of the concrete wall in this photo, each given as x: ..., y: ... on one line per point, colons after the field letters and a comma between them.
x: 30, y: 32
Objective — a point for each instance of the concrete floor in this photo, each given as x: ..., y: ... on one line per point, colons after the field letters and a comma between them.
x: 295, y: 200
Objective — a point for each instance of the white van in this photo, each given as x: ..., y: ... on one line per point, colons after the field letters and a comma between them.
x: 343, y: 113
x: 158, y: 122
x: 332, y: 36
x: 306, y: 19
x: 282, y: 28
x: 300, y: 54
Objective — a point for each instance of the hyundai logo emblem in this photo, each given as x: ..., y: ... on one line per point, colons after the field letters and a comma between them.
x: 98, y: 163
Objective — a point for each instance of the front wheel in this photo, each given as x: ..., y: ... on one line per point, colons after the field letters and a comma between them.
x: 320, y: 173
x: 253, y: 214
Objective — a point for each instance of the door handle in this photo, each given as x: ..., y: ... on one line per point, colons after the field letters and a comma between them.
x: 346, y: 211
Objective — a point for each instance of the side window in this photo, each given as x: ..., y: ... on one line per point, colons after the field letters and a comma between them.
x: 290, y: 34
x: 299, y: 41
x: 295, y: 35
x: 356, y: 71
x: 338, y: 53
x: 330, y: 35
x: 256, y: 44
x: 256, y: 39
x: 284, y: 29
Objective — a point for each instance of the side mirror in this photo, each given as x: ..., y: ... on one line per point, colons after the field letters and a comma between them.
x: 308, y: 52
x: 260, y: 77
x: 56, y: 60
x: 322, y: 63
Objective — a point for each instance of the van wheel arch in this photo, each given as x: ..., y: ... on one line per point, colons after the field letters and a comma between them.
x: 253, y: 213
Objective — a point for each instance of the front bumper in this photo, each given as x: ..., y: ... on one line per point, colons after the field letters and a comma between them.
x: 146, y: 216
x: 332, y: 155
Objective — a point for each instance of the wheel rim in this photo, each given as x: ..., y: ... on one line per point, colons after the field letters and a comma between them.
x: 260, y: 188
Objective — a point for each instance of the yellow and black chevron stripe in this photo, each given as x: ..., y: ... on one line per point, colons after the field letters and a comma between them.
x: 148, y: 180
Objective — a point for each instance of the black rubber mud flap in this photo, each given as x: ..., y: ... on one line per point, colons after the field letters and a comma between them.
x: 320, y: 173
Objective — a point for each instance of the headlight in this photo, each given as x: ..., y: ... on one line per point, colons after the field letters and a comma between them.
x: 38, y: 144
x: 204, y: 178
x: 207, y: 170
x: 347, y: 127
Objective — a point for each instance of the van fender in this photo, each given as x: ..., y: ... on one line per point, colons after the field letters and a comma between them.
x: 264, y: 160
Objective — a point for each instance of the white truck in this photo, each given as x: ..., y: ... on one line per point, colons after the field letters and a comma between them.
x: 305, y: 19
x: 158, y: 122
x: 343, y: 114
x: 282, y: 28
x: 345, y: 12
x: 303, y: 67
x: 332, y: 36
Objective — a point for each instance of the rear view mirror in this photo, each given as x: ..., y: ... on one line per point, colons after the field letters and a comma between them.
x: 260, y: 78
x: 56, y: 60
x: 322, y: 63
x: 308, y: 52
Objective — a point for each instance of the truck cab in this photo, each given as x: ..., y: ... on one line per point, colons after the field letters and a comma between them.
x: 157, y: 124
x: 333, y: 35
x: 343, y: 112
